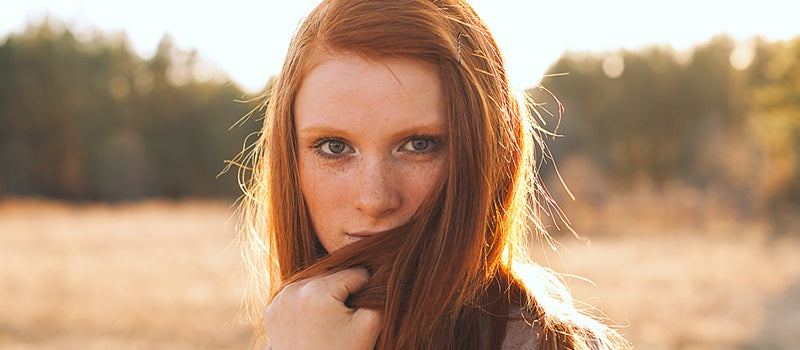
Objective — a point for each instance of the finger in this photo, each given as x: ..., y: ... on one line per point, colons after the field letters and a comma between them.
x: 346, y: 282
x: 369, y: 323
x: 368, y: 319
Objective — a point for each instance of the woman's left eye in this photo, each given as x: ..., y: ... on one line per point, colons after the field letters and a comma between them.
x: 419, y: 145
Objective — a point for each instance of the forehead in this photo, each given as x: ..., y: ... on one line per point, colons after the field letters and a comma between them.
x: 332, y: 64
x: 346, y: 88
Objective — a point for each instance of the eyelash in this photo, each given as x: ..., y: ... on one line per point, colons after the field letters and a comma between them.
x: 434, y: 141
x: 317, y: 145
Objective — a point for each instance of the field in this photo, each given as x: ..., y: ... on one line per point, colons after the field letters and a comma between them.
x: 150, y: 275
x: 166, y: 275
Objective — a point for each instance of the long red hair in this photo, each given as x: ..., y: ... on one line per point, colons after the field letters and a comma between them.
x: 446, y: 279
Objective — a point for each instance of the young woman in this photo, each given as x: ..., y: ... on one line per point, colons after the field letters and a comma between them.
x: 393, y: 188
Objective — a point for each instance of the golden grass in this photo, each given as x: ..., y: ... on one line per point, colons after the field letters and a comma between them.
x: 165, y: 275
x: 681, y: 269
x: 134, y: 276
x: 691, y: 291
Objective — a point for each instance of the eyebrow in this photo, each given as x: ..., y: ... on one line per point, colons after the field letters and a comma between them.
x: 436, y: 128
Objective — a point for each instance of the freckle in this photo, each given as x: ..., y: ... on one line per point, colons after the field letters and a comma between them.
x: 323, y: 167
x: 423, y: 171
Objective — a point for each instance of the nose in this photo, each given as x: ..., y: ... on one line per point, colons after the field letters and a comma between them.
x: 378, y: 194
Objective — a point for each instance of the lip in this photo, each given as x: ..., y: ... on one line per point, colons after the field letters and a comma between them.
x: 357, y: 236
x: 352, y: 238
x: 363, y: 234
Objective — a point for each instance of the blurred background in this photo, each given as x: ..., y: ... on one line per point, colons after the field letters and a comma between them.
x: 679, y: 138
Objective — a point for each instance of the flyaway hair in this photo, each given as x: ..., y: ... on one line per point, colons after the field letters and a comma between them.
x: 458, y: 271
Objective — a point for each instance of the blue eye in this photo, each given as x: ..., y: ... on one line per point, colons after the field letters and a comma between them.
x: 419, y: 144
x: 332, y: 148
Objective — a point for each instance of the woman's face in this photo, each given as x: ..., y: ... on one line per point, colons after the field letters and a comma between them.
x: 371, y: 143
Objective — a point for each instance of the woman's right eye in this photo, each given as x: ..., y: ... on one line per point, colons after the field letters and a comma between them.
x: 332, y: 148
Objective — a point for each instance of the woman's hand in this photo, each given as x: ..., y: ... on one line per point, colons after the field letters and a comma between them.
x: 311, y: 314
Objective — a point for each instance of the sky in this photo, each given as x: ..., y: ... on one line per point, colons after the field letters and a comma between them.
x: 248, y: 39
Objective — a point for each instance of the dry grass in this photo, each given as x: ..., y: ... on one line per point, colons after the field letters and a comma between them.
x: 680, y: 268
x: 162, y: 275
x: 692, y: 291
x: 151, y: 275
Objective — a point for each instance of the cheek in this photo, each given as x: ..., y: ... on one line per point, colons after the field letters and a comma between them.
x: 323, y: 189
x: 421, y: 180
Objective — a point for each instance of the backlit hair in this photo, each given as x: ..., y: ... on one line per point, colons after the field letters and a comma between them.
x: 451, y: 277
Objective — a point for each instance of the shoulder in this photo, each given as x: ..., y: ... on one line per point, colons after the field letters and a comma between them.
x: 521, y: 334
x: 522, y: 331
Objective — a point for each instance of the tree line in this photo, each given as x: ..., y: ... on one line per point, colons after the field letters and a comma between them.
x: 90, y: 119
x: 723, y: 117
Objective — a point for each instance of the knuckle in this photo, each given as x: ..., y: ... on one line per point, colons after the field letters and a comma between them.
x: 311, y: 290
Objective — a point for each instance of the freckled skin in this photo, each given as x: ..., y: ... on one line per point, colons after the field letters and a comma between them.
x: 371, y: 141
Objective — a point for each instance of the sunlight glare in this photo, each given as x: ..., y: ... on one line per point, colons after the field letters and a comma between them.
x: 613, y: 66
x: 743, y: 55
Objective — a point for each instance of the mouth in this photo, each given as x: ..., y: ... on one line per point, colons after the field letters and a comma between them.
x: 357, y: 236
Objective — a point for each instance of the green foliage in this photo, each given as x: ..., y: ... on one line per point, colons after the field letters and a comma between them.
x: 775, y: 120
x: 89, y: 119
x: 693, y: 119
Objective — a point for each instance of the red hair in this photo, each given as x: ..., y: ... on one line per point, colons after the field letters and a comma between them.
x: 447, y: 278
